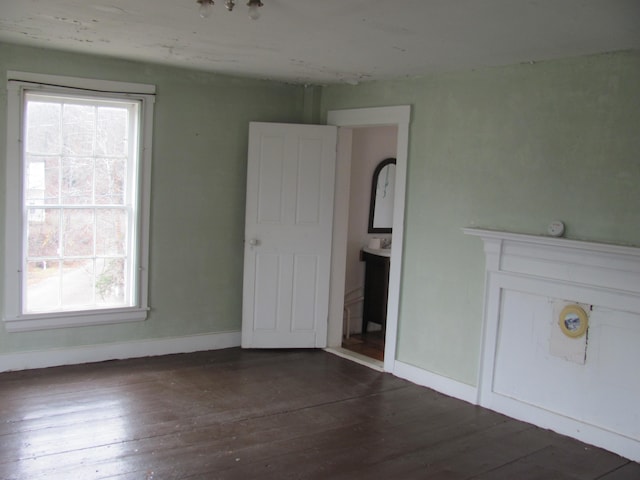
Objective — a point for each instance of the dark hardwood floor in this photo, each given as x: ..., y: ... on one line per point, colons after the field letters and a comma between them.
x: 233, y: 414
x: 370, y: 345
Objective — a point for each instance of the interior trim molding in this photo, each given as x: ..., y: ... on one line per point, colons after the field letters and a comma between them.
x: 544, y: 240
x: 372, y: 363
x: 444, y: 385
x: 118, y: 351
x: 399, y: 116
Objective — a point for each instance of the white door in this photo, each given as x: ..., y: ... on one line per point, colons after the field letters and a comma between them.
x: 288, y: 232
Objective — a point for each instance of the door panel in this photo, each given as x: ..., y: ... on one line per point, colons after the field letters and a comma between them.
x: 305, y: 275
x: 288, y: 232
x: 266, y: 289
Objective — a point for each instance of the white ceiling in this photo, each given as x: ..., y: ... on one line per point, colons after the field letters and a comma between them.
x: 327, y: 41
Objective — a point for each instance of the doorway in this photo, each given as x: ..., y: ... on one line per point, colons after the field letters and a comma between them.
x: 347, y: 121
x: 367, y: 273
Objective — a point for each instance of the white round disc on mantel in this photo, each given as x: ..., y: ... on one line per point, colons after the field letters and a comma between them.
x: 556, y: 228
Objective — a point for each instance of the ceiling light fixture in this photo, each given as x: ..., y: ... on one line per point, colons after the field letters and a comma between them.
x: 206, y: 7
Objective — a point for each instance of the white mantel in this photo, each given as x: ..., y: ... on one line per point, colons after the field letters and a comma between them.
x: 528, y: 279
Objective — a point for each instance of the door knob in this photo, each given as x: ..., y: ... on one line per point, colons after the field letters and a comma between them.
x: 253, y: 242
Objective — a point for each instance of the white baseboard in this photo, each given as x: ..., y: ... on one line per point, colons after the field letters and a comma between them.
x: 436, y: 382
x: 114, y: 351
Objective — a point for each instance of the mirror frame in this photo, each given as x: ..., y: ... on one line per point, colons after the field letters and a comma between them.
x: 372, y: 203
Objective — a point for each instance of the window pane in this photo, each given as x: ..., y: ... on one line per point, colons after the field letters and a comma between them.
x: 43, y: 128
x: 78, y: 128
x: 79, y: 192
x: 43, y: 232
x: 77, y: 232
x: 42, y: 180
x: 35, y: 182
x: 110, y: 284
x: 110, y: 181
x: 77, y: 180
x: 43, y: 286
x: 111, y: 135
x: 111, y: 228
x: 77, y: 283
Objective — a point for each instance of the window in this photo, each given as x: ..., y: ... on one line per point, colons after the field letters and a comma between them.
x: 78, y: 165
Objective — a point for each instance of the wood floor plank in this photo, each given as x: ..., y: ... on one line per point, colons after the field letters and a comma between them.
x: 265, y: 414
x: 329, y: 453
x: 460, y: 457
x: 265, y: 430
x: 629, y: 471
x: 560, y: 460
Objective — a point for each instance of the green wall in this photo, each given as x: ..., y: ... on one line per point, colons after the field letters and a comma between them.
x: 508, y: 148
x: 198, y: 192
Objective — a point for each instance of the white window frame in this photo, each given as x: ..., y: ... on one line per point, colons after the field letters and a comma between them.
x: 17, y: 83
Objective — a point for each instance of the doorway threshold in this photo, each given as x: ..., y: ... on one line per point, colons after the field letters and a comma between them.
x: 357, y: 357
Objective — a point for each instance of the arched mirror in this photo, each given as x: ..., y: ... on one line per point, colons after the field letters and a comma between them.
x: 382, y: 194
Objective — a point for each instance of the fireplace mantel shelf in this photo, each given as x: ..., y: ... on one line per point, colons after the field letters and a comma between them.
x: 553, y: 241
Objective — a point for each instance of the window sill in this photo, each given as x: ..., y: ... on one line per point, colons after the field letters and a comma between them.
x: 47, y: 321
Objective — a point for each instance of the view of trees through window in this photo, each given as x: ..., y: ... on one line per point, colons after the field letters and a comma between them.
x: 78, y: 210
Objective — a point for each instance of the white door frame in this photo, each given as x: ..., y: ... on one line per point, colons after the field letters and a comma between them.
x: 399, y: 116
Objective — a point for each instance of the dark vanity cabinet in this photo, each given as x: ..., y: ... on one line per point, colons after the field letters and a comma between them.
x: 376, y: 289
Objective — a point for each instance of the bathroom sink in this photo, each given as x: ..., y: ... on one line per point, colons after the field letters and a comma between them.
x: 382, y: 252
